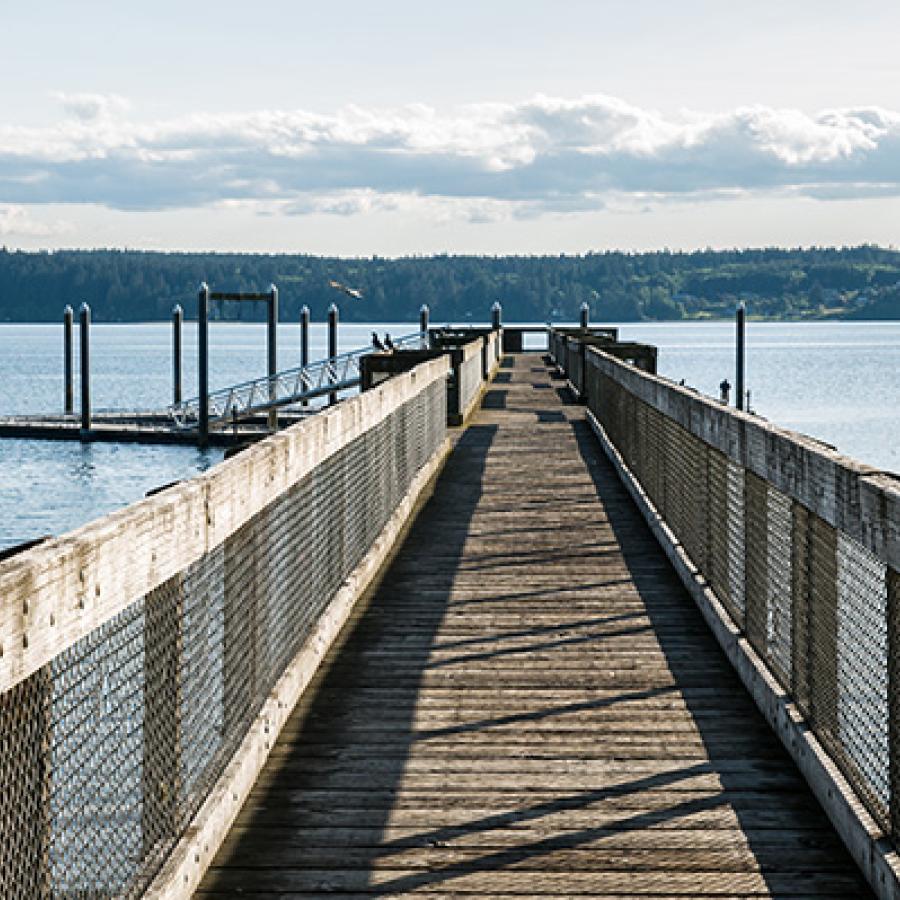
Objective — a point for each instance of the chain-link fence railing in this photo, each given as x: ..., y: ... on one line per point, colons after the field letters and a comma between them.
x: 800, y: 545
x: 108, y: 750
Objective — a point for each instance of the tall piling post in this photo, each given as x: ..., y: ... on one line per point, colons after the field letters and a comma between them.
x: 333, y: 317
x: 68, y: 361
x: 424, y: 313
x: 740, y: 358
x: 272, y: 353
x: 84, y: 335
x: 304, y: 336
x: 585, y: 316
x: 304, y: 340
x: 177, y: 323
x: 496, y: 315
x: 203, y: 364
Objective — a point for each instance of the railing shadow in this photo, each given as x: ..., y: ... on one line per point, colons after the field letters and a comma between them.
x: 735, y: 737
x: 357, y: 718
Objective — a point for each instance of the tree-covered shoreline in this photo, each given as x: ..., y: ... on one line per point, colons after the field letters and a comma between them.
x: 776, y: 284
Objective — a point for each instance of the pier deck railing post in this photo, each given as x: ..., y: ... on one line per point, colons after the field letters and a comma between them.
x: 424, y: 313
x: 585, y: 315
x: 84, y: 334
x: 68, y: 361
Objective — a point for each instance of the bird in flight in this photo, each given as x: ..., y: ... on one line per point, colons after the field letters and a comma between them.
x: 349, y: 291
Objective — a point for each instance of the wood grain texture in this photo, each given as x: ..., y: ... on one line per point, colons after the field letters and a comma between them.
x: 529, y: 705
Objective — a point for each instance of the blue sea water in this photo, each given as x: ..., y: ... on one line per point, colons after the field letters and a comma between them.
x: 839, y: 382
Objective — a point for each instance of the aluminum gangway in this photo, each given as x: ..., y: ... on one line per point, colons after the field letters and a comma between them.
x: 289, y: 387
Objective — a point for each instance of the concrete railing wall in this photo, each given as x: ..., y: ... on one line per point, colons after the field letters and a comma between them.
x: 148, y: 660
x: 792, y: 551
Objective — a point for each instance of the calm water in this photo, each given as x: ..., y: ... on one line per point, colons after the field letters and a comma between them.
x: 837, y: 381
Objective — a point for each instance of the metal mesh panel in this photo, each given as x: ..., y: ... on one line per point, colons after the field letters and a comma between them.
x: 862, y: 672
x: 469, y: 380
x: 671, y: 467
x: 684, y: 489
x: 695, y: 495
x: 756, y: 555
x: 800, y: 634
x: 822, y: 628
x: 654, y: 441
x: 717, y: 530
x: 107, y: 753
x: 96, y: 758
x: 893, y: 674
x: 25, y: 719
x: 779, y: 624
x: 735, y: 528
x: 574, y: 367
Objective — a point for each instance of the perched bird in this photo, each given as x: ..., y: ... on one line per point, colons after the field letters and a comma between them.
x: 388, y: 343
x: 376, y: 341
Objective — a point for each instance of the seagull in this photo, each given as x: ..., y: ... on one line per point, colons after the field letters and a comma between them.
x: 349, y: 291
x: 376, y: 343
x: 388, y: 343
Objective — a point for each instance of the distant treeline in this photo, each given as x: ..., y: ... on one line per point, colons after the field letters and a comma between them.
x: 125, y: 285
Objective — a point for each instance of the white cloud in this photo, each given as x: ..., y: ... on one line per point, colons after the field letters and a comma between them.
x: 480, y: 163
x: 15, y: 221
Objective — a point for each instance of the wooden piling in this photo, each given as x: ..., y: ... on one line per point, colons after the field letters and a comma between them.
x: 84, y: 334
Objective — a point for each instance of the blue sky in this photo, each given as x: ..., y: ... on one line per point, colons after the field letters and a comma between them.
x: 359, y: 128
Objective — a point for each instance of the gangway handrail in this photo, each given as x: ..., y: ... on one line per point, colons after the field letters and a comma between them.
x: 299, y: 383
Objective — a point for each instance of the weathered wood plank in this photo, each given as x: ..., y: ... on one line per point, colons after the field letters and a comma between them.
x: 56, y: 593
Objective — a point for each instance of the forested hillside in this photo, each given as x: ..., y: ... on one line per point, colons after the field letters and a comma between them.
x: 860, y: 282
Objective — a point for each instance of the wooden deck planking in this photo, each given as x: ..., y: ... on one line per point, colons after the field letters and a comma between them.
x: 530, y: 705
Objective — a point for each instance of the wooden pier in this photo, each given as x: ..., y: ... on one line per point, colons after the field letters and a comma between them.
x: 529, y: 704
x: 608, y: 638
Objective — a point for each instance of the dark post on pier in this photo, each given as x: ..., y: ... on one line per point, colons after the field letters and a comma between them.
x: 496, y: 315
x: 423, y: 318
x: 304, y: 336
x: 177, y: 320
x: 68, y: 362
x: 585, y: 315
x: 739, y: 362
x: 272, y: 352
x: 84, y: 334
x: 203, y: 367
x: 333, y: 317
x: 304, y: 340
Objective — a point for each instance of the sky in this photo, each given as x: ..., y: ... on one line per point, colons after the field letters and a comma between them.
x: 397, y: 128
